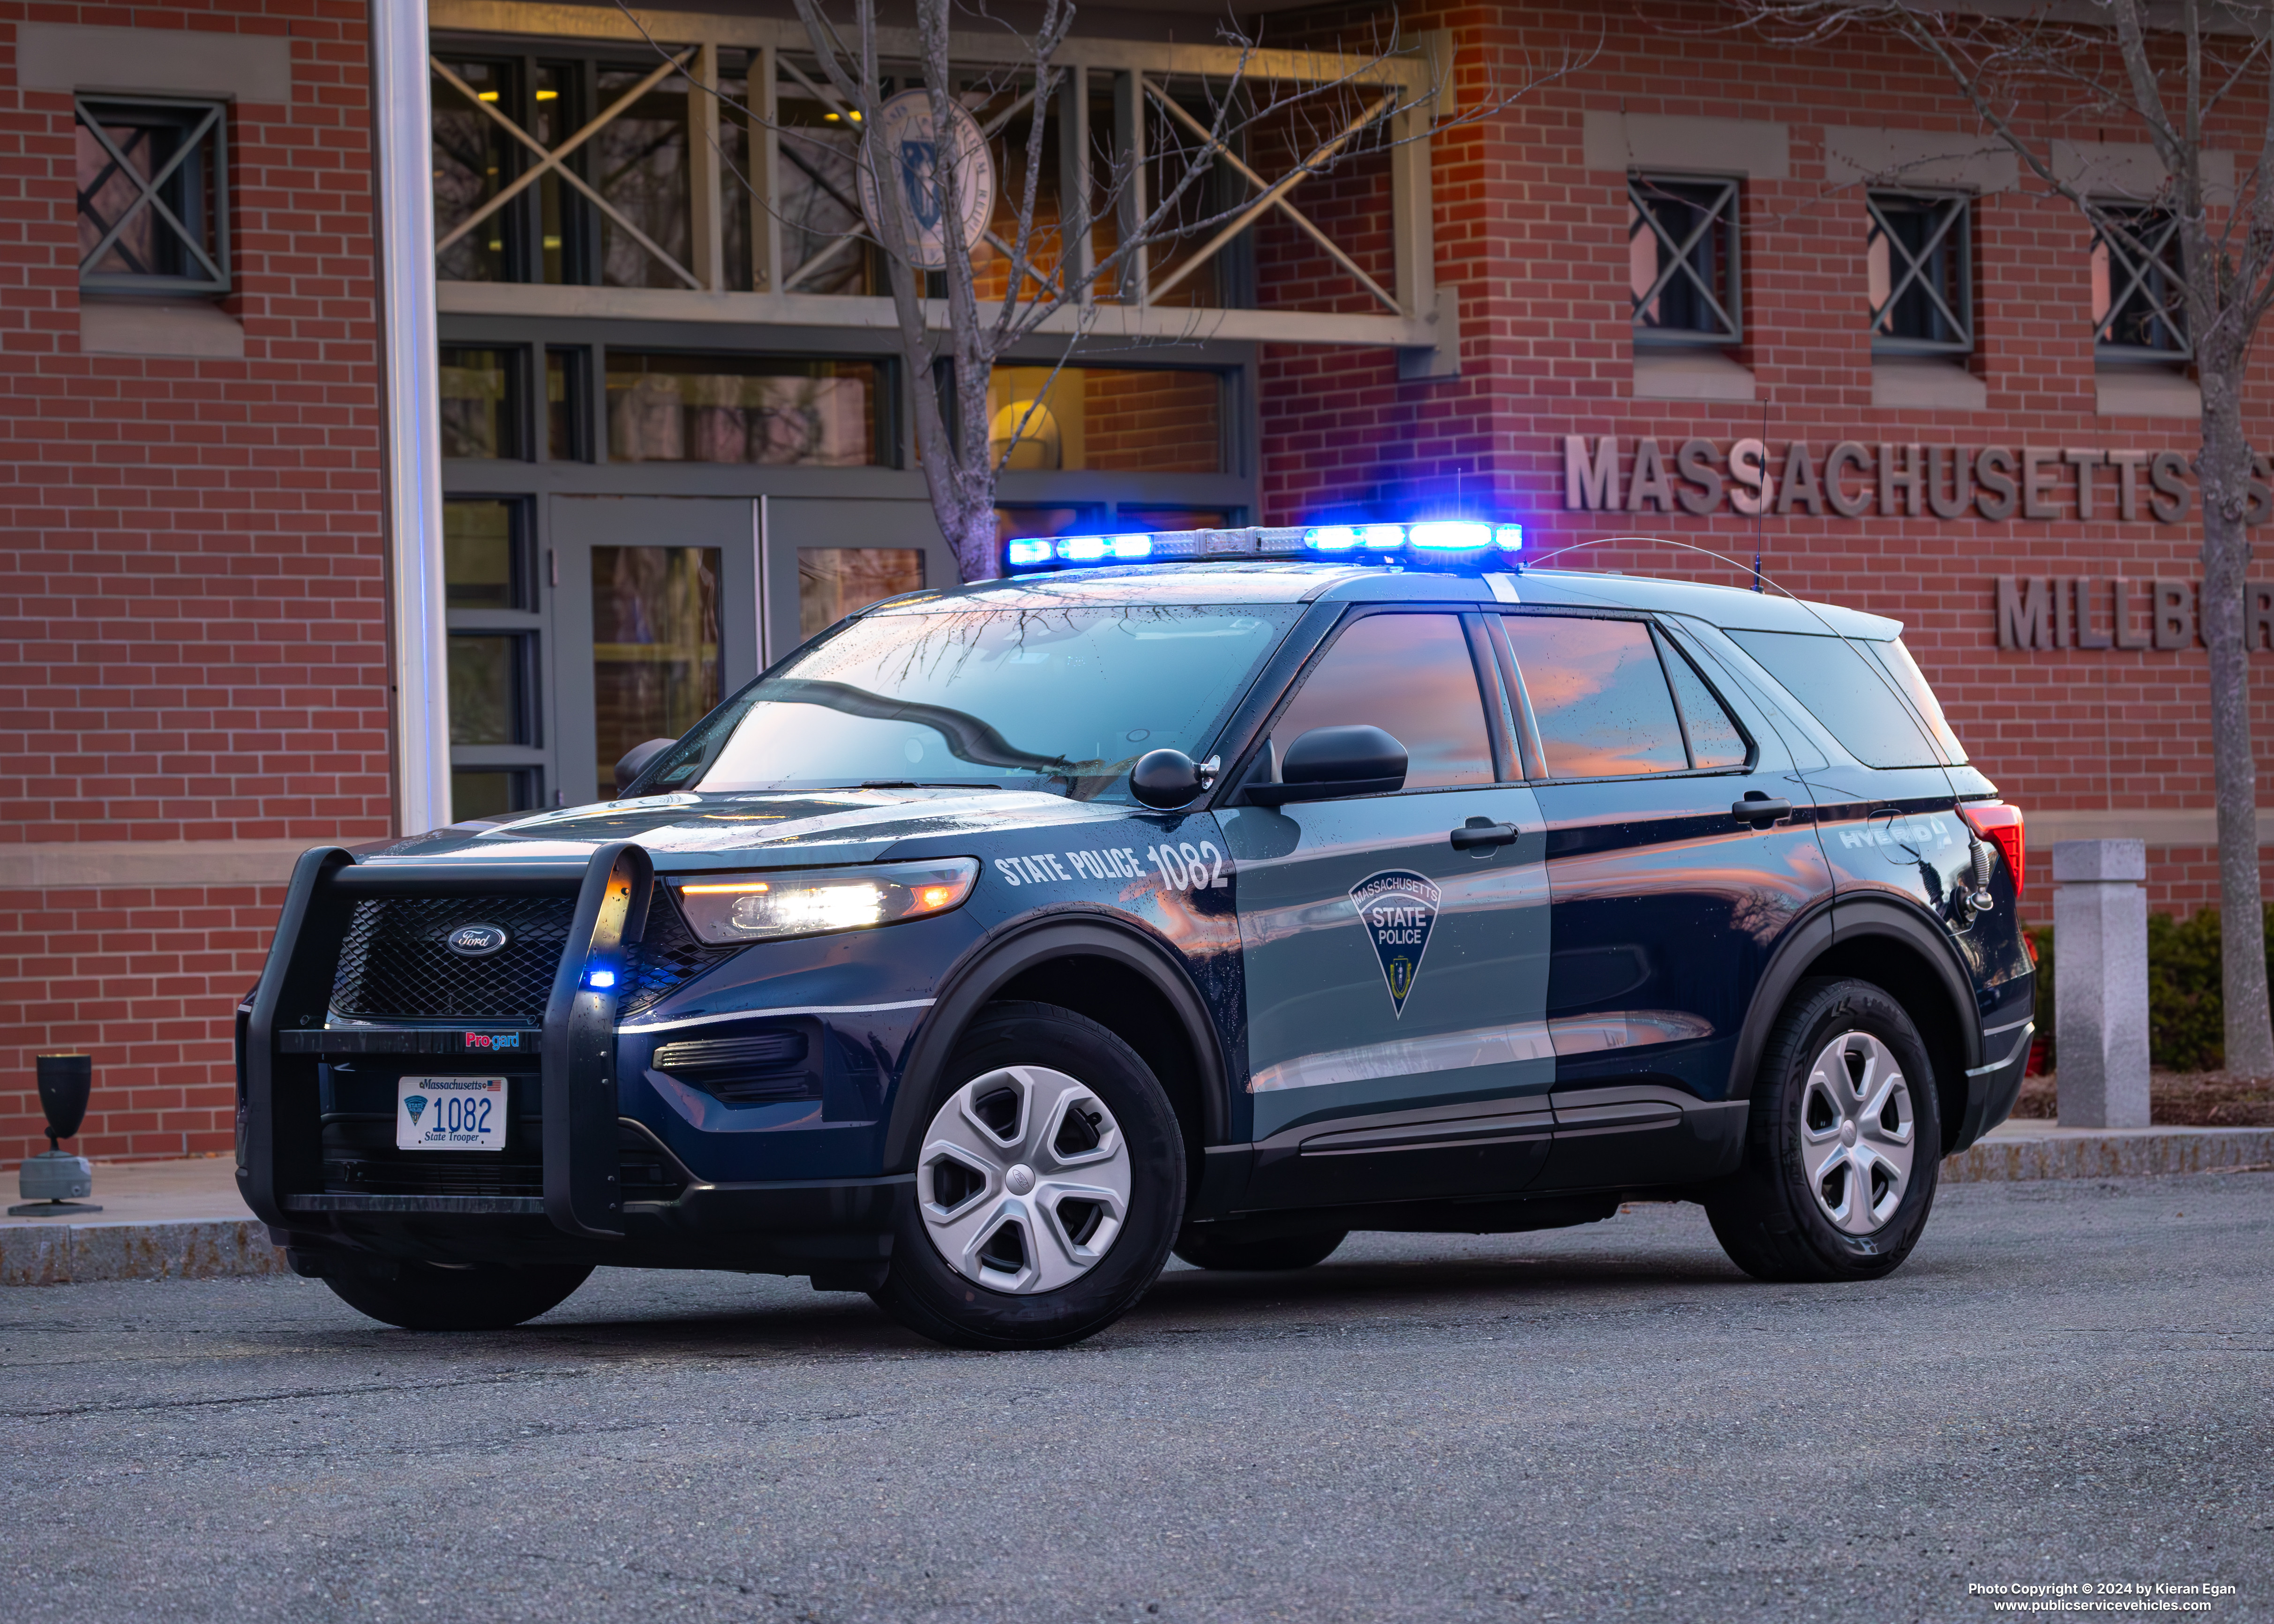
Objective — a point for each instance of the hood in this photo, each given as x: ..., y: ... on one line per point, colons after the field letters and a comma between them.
x: 696, y: 831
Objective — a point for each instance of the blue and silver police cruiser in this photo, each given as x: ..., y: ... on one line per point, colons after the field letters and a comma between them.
x: 1216, y: 891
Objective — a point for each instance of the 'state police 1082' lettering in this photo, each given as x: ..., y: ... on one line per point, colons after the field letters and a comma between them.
x: 1218, y: 893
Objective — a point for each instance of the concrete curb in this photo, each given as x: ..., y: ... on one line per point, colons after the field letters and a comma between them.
x: 2034, y: 1151
x: 46, y: 1253
x: 42, y: 1252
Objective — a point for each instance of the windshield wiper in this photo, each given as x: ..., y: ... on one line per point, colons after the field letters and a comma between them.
x: 913, y: 783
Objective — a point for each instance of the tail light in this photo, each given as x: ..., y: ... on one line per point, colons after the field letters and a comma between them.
x: 2001, y: 825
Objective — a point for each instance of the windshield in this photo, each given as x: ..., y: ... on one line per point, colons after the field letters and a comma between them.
x: 1059, y: 699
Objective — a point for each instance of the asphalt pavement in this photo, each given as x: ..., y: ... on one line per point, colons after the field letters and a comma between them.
x: 2068, y: 1384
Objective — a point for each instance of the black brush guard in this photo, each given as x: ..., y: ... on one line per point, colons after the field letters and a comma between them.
x: 281, y: 1160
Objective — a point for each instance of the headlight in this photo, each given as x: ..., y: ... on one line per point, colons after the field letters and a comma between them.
x: 765, y: 907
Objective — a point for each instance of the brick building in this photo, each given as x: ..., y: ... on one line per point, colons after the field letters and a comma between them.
x: 648, y: 429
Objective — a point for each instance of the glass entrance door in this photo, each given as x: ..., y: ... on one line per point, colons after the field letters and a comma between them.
x: 656, y: 614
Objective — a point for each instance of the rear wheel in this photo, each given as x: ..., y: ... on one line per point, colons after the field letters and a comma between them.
x: 1050, y: 1183
x: 425, y: 1296
x: 1224, y: 1246
x: 1843, y: 1142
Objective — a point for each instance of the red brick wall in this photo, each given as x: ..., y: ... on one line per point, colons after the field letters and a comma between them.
x: 191, y: 612
x: 1162, y: 422
x: 145, y: 981
x: 1535, y: 242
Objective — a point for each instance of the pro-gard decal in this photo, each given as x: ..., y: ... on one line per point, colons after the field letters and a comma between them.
x: 1398, y: 909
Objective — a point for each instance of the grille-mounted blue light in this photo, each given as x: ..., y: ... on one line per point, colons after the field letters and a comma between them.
x: 1440, y: 543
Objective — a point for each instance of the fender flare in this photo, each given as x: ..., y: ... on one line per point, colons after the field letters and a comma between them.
x: 1837, y: 923
x: 990, y: 965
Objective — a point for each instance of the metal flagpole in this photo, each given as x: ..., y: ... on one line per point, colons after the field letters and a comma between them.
x: 402, y: 121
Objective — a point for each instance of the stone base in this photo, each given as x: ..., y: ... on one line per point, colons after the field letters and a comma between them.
x: 2036, y: 1150
x: 56, y: 1252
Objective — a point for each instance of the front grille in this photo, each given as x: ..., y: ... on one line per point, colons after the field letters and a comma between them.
x: 396, y: 964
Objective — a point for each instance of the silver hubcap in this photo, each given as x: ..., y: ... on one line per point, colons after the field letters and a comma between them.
x: 1857, y: 1132
x: 1024, y: 1180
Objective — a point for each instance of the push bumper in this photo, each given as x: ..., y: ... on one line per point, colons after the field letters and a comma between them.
x: 585, y: 1212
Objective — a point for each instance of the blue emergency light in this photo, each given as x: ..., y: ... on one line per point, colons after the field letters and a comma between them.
x: 1437, y: 543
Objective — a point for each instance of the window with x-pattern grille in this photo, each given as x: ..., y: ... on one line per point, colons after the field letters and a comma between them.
x: 153, y: 187
x: 1682, y: 261
x: 1919, y: 254
x: 2139, y: 301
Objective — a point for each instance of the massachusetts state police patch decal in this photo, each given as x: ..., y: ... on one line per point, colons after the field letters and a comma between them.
x: 1398, y: 910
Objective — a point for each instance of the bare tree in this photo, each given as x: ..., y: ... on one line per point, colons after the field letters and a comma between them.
x: 1345, y: 106
x: 2172, y: 73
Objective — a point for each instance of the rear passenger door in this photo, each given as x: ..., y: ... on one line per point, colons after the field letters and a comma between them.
x: 1397, y: 1046
x: 1666, y: 901
x: 1887, y: 817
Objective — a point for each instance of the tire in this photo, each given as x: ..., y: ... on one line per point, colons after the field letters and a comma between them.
x: 425, y: 1297
x: 1831, y: 1190
x: 1222, y: 1247
x: 1049, y: 1185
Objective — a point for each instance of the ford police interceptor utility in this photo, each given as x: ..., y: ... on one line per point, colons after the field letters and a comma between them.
x: 1218, y: 893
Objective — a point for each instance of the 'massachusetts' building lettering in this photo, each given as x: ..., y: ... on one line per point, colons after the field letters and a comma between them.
x: 1851, y: 479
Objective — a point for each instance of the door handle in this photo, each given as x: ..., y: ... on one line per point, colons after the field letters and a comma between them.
x: 1757, y: 808
x: 1482, y: 833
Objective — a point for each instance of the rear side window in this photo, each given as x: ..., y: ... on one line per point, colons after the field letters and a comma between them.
x: 1848, y: 690
x: 1715, y: 740
x: 1598, y: 695
x: 1410, y: 675
x: 1912, y: 681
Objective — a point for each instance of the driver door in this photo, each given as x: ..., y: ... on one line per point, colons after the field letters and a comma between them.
x: 1397, y: 1040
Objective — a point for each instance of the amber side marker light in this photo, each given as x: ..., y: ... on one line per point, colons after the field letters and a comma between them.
x: 2001, y: 825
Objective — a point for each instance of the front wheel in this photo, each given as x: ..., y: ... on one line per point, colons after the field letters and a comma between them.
x: 1843, y: 1143
x: 425, y: 1296
x: 1050, y: 1183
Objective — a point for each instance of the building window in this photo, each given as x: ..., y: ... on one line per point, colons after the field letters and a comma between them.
x: 655, y: 646
x: 153, y: 195
x: 1919, y: 254
x: 495, y: 657
x: 567, y: 405
x: 482, y: 404
x: 1682, y: 260
x: 666, y: 407
x: 484, y: 555
x: 1131, y: 420
x: 835, y: 581
x: 2139, y: 302
x: 611, y: 200
x: 493, y: 683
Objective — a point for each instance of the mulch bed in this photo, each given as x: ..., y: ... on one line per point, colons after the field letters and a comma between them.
x: 2175, y: 1098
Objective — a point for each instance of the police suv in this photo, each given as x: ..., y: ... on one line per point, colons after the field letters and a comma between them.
x: 1214, y: 892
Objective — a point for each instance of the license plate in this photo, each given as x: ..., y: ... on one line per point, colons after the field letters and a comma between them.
x: 449, y: 1113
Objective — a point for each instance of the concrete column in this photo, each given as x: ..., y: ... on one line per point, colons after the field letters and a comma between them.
x: 2100, y: 982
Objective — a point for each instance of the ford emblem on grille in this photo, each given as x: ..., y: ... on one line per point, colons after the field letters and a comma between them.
x: 475, y: 941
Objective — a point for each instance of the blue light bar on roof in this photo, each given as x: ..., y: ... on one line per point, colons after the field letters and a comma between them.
x: 1439, y: 542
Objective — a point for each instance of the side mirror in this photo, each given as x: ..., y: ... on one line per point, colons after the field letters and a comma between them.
x: 635, y: 761
x: 1328, y: 763
x: 1167, y: 779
